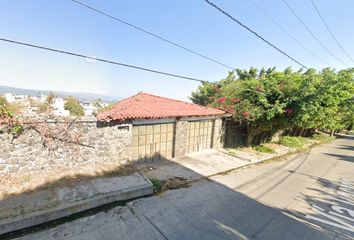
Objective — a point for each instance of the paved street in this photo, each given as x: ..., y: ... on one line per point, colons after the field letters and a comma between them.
x: 310, y: 196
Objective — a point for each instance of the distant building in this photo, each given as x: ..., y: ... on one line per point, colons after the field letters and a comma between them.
x: 40, y: 98
x: 58, y: 107
x: 9, y: 97
x: 89, y: 108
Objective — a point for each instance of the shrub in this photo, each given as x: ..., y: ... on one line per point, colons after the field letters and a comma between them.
x: 43, y: 108
x: 295, y: 142
x: 322, y: 138
x: 74, y: 107
x: 157, y: 184
x: 264, y: 149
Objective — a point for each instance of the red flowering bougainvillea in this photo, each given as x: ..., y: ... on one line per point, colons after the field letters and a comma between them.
x: 221, y: 100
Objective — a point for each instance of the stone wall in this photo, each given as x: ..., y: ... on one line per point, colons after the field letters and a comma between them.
x: 98, y: 144
x: 219, y: 133
x: 181, y: 138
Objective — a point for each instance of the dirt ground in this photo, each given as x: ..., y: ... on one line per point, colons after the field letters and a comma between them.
x: 18, y: 184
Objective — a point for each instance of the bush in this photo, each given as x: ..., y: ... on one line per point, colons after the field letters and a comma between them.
x: 322, y: 138
x: 294, y: 142
x: 74, y: 107
x: 157, y: 184
x: 3, y: 101
x: 264, y: 149
x: 43, y: 108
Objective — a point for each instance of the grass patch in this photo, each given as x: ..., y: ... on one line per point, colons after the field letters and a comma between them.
x: 322, y: 138
x: 263, y: 149
x: 294, y: 142
x: 169, y: 184
x: 157, y: 184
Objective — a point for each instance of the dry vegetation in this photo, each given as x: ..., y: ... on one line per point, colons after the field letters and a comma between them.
x: 11, y: 185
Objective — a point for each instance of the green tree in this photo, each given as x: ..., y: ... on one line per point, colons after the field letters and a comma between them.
x: 323, y: 99
x: 265, y: 101
x: 3, y: 101
x: 74, y: 107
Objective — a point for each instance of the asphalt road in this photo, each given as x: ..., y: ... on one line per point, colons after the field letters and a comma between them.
x: 310, y: 196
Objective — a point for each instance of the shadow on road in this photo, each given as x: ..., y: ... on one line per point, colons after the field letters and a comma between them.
x: 342, y: 157
x: 205, y: 210
x: 332, y: 206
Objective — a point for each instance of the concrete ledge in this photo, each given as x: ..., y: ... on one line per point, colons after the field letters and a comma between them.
x: 69, y: 200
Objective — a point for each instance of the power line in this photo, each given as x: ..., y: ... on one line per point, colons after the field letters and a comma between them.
x: 114, y: 62
x: 255, y: 33
x: 330, y: 31
x: 152, y: 34
x: 101, y: 60
x: 312, y: 34
x: 287, y: 32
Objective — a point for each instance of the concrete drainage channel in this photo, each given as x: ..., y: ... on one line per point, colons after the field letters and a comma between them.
x: 71, y: 203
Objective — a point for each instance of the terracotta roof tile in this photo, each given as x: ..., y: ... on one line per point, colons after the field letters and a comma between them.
x: 144, y: 105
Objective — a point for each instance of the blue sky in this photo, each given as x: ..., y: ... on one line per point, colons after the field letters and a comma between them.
x: 192, y: 23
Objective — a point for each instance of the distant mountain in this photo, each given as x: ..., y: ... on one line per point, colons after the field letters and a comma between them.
x: 79, y: 95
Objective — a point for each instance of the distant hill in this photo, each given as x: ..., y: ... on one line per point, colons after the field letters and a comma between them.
x: 80, y: 95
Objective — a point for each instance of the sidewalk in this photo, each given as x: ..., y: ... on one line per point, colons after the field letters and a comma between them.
x: 207, y: 163
x: 29, y: 209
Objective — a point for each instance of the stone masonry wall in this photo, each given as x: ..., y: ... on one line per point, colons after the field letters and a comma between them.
x: 99, y: 144
x: 181, y: 138
x: 219, y: 133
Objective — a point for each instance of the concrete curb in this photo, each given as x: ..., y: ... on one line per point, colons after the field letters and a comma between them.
x: 143, y: 188
x: 290, y: 151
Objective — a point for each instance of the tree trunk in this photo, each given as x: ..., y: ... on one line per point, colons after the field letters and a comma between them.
x: 301, y: 133
x: 332, y: 133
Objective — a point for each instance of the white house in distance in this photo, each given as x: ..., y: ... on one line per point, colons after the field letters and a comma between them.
x: 58, y: 107
x: 89, y: 108
x: 11, y: 98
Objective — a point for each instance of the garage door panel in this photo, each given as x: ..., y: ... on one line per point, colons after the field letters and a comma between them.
x: 157, y: 128
x: 169, y: 136
x: 163, y: 128
x: 157, y: 137
x: 199, y: 135
x: 149, y: 139
x: 170, y: 127
x: 163, y: 146
x: 135, y: 131
x: 142, y: 130
x: 142, y: 139
x: 150, y: 142
x: 149, y: 129
x: 163, y: 137
x: 135, y: 141
x: 141, y: 149
x: 169, y: 146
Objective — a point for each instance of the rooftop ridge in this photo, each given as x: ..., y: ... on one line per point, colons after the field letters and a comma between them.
x: 171, y: 99
x: 146, y: 105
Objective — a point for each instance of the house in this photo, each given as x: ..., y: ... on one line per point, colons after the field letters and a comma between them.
x: 58, y: 107
x: 164, y: 128
x: 89, y: 108
x: 11, y: 98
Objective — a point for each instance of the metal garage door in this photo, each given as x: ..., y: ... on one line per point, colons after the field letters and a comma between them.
x: 199, y: 135
x: 153, y: 142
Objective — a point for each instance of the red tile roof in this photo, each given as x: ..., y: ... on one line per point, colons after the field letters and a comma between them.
x: 144, y: 105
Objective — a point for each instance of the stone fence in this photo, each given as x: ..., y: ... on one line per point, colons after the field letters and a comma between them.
x: 96, y: 143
